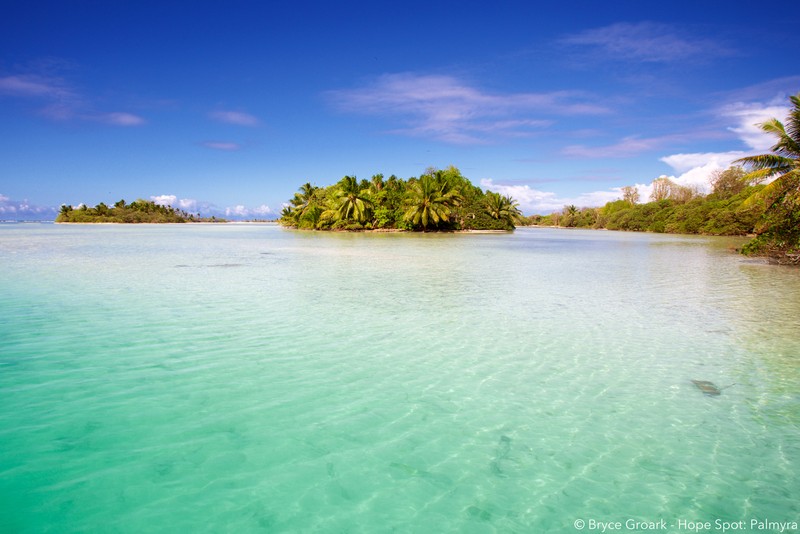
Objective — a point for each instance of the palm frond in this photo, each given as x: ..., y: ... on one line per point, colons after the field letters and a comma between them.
x: 756, y: 177
x: 773, y: 191
x: 793, y: 123
x: 767, y: 161
x: 773, y: 126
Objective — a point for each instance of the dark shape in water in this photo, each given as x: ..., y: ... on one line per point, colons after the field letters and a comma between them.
x: 496, y: 469
x: 501, y: 454
x: 504, y: 447
x: 479, y: 513
x: 226, y: 265
x: 707, y: 387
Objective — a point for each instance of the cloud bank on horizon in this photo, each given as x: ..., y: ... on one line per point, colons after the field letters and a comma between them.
x: 237, y: 212
x: 13, y: 210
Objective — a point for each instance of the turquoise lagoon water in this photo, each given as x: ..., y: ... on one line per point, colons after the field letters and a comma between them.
x: 245, y: 378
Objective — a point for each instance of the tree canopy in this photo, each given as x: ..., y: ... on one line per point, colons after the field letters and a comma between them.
x: 438, y: 200
x: 139, y: 211
x: 674, y: 210
x: 779, y: 228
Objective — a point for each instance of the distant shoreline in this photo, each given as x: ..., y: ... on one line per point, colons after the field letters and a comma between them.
x: 275, y: 223
x: 210, y: 223
x: 396, y: 231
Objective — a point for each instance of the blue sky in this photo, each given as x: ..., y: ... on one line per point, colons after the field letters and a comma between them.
x: 226, y: 108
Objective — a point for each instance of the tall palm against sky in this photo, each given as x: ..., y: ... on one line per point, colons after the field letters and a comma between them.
x: 302, y: 199
x: 784, y: 162
x: 781, y: 197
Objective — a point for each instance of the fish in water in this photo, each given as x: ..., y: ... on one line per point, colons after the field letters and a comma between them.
x: 707, y: 387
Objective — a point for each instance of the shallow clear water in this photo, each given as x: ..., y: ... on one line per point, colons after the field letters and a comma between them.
x: 238, y: 378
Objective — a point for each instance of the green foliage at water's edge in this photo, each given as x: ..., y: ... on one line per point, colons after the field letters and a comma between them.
x: 776, y: 230
x: 439, y: 200
x: 139, y: 211
x: 713, y: 214
x: 738, y: 205
x: 779, y: 229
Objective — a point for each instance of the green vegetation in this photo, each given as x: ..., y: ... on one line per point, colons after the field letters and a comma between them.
x: 739, y: 203
x: 673, y: 209
x: 140, y: 211
x: 439, y: 200
x: 779, y: 228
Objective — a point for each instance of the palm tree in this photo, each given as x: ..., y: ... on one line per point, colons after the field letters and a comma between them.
x: 784, y: 163
x: 502, y: 208
x: 570, y: 214
x: 781, y: 197
x: 376, y: 184
x: 302, y: 199
x: 353, y: 204
x: 431, y: 199
x: 287, y: 216
x: 313, y: 214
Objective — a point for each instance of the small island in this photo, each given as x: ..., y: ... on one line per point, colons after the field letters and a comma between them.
x: 439, y: 200
x: 139, y: 211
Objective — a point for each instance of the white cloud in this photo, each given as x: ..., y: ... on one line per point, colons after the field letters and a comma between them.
x: 685, y: 162
x: 446, y: 109
x: 749, y: 116
x: 186, y: 204
x: 240, y: 211
x: 222, y: 145
x: 24, y: 210
x: 595, y: 198
x: 529, y: 199
x: 235, y: 117
x: 164, y: 200
x: 120, y: 119
x: 646, y: 42
x: 535, y: 201
x: 696, y: 168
